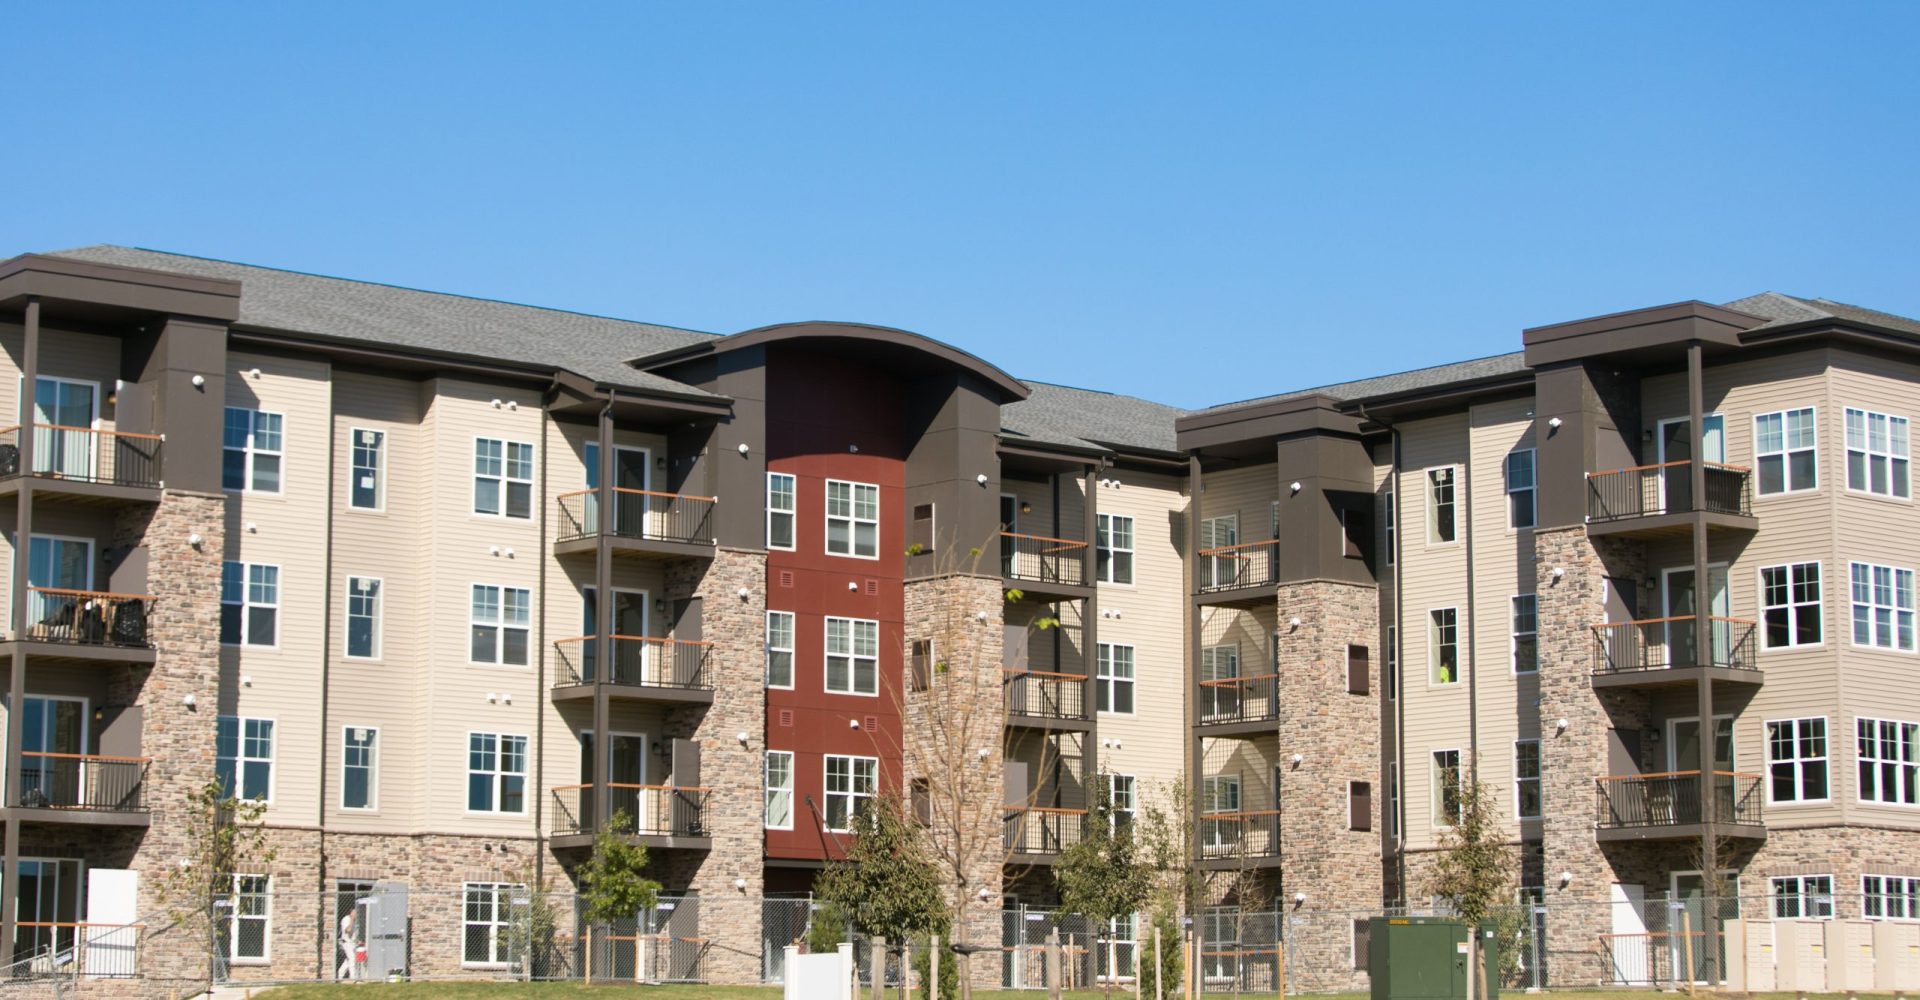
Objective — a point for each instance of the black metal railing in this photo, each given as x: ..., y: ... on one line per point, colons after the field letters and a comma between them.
x: 1232, y: 567
x: 88, y: 618
x: 1039, y: 559
x: 1041, y: 695
x: 64, y: 951
x: 1665, y: 643
x: 638, y: 661
x: 1252, y: 833
x: 642, y: 514
x: 83, y: 782
x: 1673, y: 799
x: 1645, y: 490
x: 85, y: 455
x: 1239, y: 699
x: 643, y: 810
x: 1043, y: 830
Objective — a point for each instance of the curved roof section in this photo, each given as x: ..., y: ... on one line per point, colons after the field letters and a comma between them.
x: 884, y: 340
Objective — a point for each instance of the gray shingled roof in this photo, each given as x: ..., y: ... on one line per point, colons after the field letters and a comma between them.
x: 1419, y: 378
x: 1085, y: 418
x: 1782, y: 309
x: 595, y: 347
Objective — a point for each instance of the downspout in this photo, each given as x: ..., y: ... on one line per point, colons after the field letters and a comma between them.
x: 1472, y: 627
x: 540, y: 658
x: 326, y: 690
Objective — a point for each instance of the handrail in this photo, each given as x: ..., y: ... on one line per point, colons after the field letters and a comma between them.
x: 1674, y: 618
x: 1043, y: 674
x: 1216, y: 550
x: 647, y: 788
x: 1667, y: 465
x: 1676, y: 774
x: 101, y: 594
x: 1244, y: 814
x: 638, y: 493
x: 1046, y: 810
x: 657, y: 639
x: 88, y: 756
x: 1239, y: 681
x: 141, y: 435
x: 1068, y: 542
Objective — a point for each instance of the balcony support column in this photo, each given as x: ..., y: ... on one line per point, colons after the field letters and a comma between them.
x: 1089, y: 625
x: 1196, y: 489
x: 17, y: 669
x: 602, y: 639
x: 1703, y: 640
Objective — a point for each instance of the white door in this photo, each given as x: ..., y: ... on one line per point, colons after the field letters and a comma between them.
x: 1629, y: 945
x: 64, y: 414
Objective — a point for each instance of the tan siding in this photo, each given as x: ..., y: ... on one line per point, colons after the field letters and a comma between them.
x: 1432, y: 576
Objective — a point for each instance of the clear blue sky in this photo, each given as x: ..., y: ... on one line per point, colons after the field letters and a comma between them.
x: 1195, y: 203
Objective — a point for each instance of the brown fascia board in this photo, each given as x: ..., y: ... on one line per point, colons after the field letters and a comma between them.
x: 136, y: 288
x: 1050, y: 451
x: 1313, y: 413
x: 1634, y: 330
x: 1011, y: 389
x: 1436, y: 397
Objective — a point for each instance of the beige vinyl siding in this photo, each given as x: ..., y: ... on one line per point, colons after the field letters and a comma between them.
x: 80, y: 357
x: 1503, y: 566
x: 1432, y: 576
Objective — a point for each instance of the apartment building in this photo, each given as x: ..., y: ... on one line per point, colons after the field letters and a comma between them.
x: 453, y: 585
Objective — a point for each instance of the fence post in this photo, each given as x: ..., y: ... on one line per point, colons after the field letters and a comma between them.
x: 933, y: 967
x: 1159, y: 987
x: 877, y: 967
x: 1050, y: 965
x: 588, y: 958
x: 1280, y: 961
x: 1193, y: 966
x: 906, y: 968
x: 1686, y: 940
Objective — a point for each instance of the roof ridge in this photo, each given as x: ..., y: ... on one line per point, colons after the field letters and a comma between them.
x: 1310, y: 390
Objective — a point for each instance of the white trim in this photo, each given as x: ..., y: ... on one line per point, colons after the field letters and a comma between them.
x: 853, y: 519
x: 852, y: 656
x: 1846, y: 455
x: 373, y: 770
x: 1103, y: 651
x: 526, y: 776
x: 245, y: 603
x: 1434, y: 784
x: 1539, y: 780
x: 1433, y: 649
x: 248, y: 451
x: 1532, y: 489
x: 240, y: 757
x: 473, y: 478
x: 379, y: 472
x: 1431, y: 506
x: 1786, y: 452
x: 379, y: 620
x: 1513, y: 638
x: 791, y: 649
x: 233, y: 921
x: 1673, y: 741
x: 1766, y: 751
x: 499, y: 643
x: 1907, y: 898
x: 792, y: 792
x: 1760, y: 602
x: 1859, y: 760
x: 1133, y: 536
x: 1913, y: 595
x: 793, y: 514
x: 853, y: 797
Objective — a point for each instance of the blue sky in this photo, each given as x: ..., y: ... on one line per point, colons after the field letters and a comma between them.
x: 1195, y: 203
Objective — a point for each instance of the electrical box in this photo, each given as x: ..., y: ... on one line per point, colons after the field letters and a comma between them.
x: 1425, y: 958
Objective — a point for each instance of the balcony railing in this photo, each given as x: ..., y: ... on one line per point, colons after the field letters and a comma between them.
x: 1253, y: 833
x: 1240, y: 699
x: 1039, y: 559
x: 638, y: 660
x: 649, y: 810
x: 640, y: 514
x: 1043, y: 695
x: 1673, y: 799
x: 1645, y: 490
x: 83, y: 782
x: 1043, y: 830
x: 1664, y: 643
x: 1232, y: 567
x: 66, y: 950
x: 87, y: 617
x: 86, y: 455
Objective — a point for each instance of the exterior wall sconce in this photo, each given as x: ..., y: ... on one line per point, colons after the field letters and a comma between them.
x: 194, y: 539
x: 1293, y: 622
x: 744, y: 449
x: 1561, y: 725
x: 1294, y: 487
x: 981, y: 479
x: 1554, y: 422
x: 199, y: 381
x: 741, y: 736
x: 1559, y: 571
x: 1297, y: 759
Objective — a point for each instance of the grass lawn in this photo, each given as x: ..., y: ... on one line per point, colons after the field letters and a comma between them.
x: 569, y: 991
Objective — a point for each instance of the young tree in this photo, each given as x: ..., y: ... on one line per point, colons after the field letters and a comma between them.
x: 1106, y: 876
x: 888, y: 885
x: 224, y: 838
x: 613, y: 882
x: 1474, y: 870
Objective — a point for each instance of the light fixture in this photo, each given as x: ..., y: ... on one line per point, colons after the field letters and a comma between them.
x: 496, y: 404
x: 1294, y: 486
x: 493, y: 550
x: 981, y: 479
x: 660, y: 604
x: 1298, y: 759
x: 741, y: 736
x: 745, y: 593
x: 1653, y: 736
x: 246, y: 680
x: 492, y: 696
x: 1553, y: 422
x: 507, y: 696
x: 1560, y: 725
x: 253, y: 528
x: 740, y: 884
x: 984, y: 752
x: 1299, y: 898
x: 253, y: 373
x: 199, y: 381
x: 853, y: 449
x: 852, y: 585
x: 189, y: 700
x: 983, y: 894
x: 853, y: 723
x: 1566, y: 878
x: 980, y: 616
x: 508, y: 553
x: 513, y: 404
x: 1025, y: 507
x: 1559, y: 571
x: 658, y: 749
x: 1293, y: 622
x: 744, y: 449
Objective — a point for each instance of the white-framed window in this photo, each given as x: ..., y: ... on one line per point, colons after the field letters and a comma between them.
x: 1803, y: 897
x: 367, y: 487
x: 1882, y: 606
x: 487, y: 914
x: 243, y: 757
x: 250, y: 924
x: 853, y: 519
x: 1443, y: 646
x: 1785, y: 452
x: 1113, y: 548
x: 781, y: 510
x: 1442, y: 524
x: 252, y: 450
x: 1797, y: 760
x: 1877, y: 454
x: 1889, y: 757
x: 1790, y: 606
x: 853, y: 656
x: 500, y: 622
x: 1113, y: 679
x: 496, y: 773
x: 851, y: 785
x: 779, y: 790
x: 1391, y: 807
x: 359, y: 767
x: 1889, y: 897
x: 780, y: 649
x: 363, y: 617
x: 503, y: 478
x: 1444, y: 780
x: 1393, y: 663
x: 1122, y: 800
x: 249, y: 604
x: 1391, y: 518
x: 1521, y: 477
x: 1525, y: 609
x: 1526, y: 779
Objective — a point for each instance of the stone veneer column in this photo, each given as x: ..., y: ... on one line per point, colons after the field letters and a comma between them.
x: 1338, y: 736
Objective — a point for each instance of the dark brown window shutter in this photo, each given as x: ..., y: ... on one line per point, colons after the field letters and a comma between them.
x: 1358, y: 528
x: 1360, y: 805
x: 922, y: 802
x: 920, y: 530
x: 1358, y: 670
x: 922, y: 664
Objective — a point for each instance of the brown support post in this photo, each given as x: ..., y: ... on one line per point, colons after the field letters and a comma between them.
x: 1703, y: 642
x: 1089, y: 620
x: 603, y: 624
x: 17, y: 670
x: 1195, y: 488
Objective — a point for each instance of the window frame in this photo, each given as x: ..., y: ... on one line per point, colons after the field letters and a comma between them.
x: 1115, y: 810
x: 1899, y: 488
x: 1873, y: 606
x: 1107, y: 683
x: 853, y: 656
x: 1905, y: 765
x: 1104, y: 535
x: 1909, y: 897
x: 1521, y: 780
x: 497, y: 788
x: 1786, y: 451
x: 768, y: 790
x: 1804, y: 897
x: 1434, y: 645
x: 1436, y: 792
x: 504, y: 479
x: 791, y: 512
x: 1793, y: 606
x: 355, y: 468
x: 792, y: 627
x: 1391, y: 528
x: 1391, y: 668
x: 378, y: 617
x: 1800, y: 764
x: 500, y: 898
x: 240, y: 758
x: 500, y: 625
x: 852, y: 519
x: 247, y: 604
x: 1531, y: 489
x: 1434, y: 504
x: 1515, y: 635
x: 372, y: 766
x: 235, y: 916
x: 854, y: 796
x: 251, y: 450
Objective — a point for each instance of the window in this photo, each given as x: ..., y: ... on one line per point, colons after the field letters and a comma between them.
x: 1390, y: 518
x: 485, y: 940
x: 853, y: 519
x: 357, y: 767
x: 1122, y: 800
x: 1526, y: 634
x: 496, y: 773
x: 243, y: 757
x: 1359, y: 669
x: 1521, y: 512
x: 853, y: 656
x: 1889, y: 897
x: 252, y: 447
x: 1877, y: 454
x: 1882, y: 606
x: 1445, y: 782
x: 1113, y: 556
x: 1391, y: 808
x: 1783, y: 448
x: 1790, y: 605
x: 1443, y: 646
x: 501, y: 621
x: 1803, y: 897
x: 249, y: 604
x: 922, y: 663
x: 247, y: 928
x: 1526, y: 779
x: 1440, y: 505
x: 1113, y: 679
x: 851, y: 785
x: 779, y: 790
x: 363, y: 617
x: 366, y: 490
x: 1797, y: 760
x: 502, y: 478
x: 780, y: 511
x: 1889, y: 755
x: 780, y: 649
x: 1393, y: 663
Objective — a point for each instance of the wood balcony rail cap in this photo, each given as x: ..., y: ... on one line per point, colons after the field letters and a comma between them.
x: 100, y: 594
x: 88, y: 756
x: 1045, y: 675
x: 638, y: 493
x: 87, y: 430
x: 1666, y: 465
x: 1238, y: 681
x: 1216, y: 550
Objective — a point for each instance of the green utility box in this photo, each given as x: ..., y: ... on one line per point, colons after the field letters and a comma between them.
x: 1425, y: 958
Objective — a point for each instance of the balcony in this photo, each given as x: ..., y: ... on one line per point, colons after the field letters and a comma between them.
x: 1667, y: 806
x: 1037, y: 834
x: 61, y: 951
x: 1657, y: 652
x: 86, y: 625
x: 665, y: 816
x: 1654, y: 501
x: 1043, y: 700
x: 1241, y: 575
x: 83, y: 788
x: 1234, y: 706
x: 85, y: 464
x: 643, y: 668
x: 1044, y: 569
x: 644, y: 524
x: 1246, y: 838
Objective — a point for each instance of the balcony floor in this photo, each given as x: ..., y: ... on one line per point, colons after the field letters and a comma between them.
x: 1045, y: 592
x: 80, y: 491
x: 1659, y: 677
x: 1675, y: 525
x: 1260, y: 596
x: 635, y: 548
x: 74, y: 652
x: 566, y: 693
x: 79, y: 817
x: 1048, y: 722
x: 1677, y: 831
x: 650, y: 841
